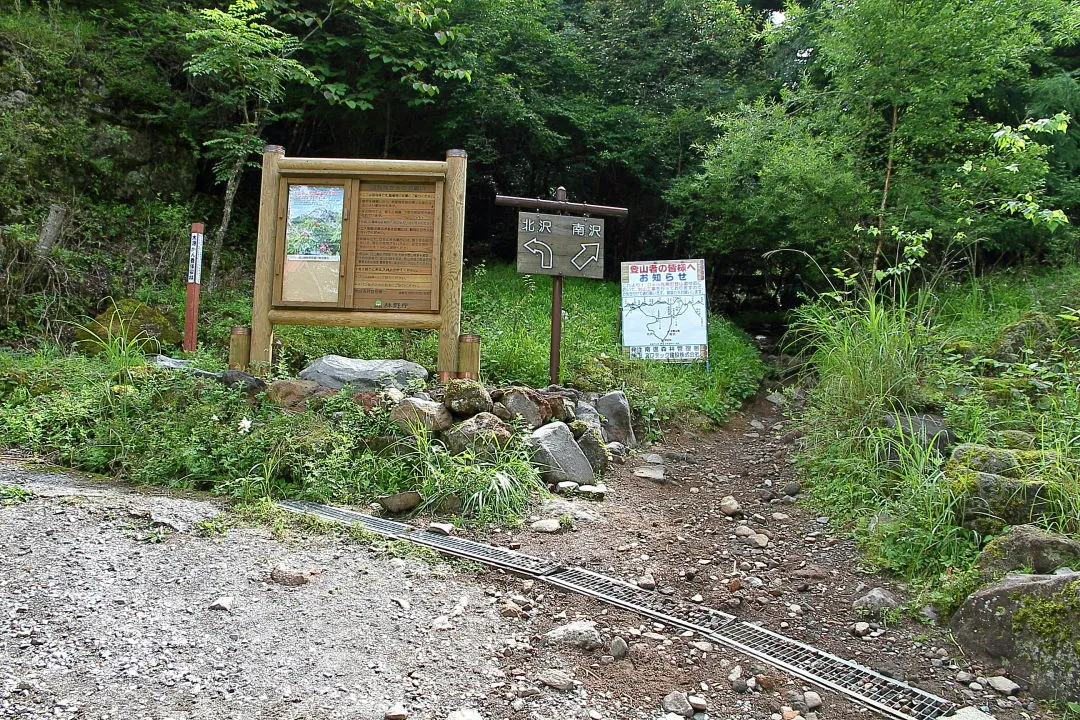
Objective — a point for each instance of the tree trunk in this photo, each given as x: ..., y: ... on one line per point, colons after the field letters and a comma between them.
x: 879, y: 252
x: 218, y: 240
x: 50, y: 231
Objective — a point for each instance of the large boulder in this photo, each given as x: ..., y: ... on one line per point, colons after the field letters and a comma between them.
x: 1028, y: 624
x: 587, y: 414
x: 993, y: 501
x: 558, y: 455
x: 466, y: 397
x: 292, y: 394
x: 985, y: 459
x: 615, y: 410
x: 522, y: 405
x: 1035, y: 333
x: 132, y: 322
x: 413, y: 413
x: 926, y: 430
x: 483, y: 433
x: 1027, y: 546
x: 335, y: 372
x: 594, y: 450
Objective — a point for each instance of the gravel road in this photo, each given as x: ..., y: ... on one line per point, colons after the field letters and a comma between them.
x: 106, y: 596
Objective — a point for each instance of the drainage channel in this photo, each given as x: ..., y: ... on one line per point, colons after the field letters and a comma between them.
x: 886, y: 695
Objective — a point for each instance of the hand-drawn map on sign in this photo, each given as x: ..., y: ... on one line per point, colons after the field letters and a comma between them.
x: 560, y: 245
x: 664, y: 313
x: 313, y: 243
x: 395, y: 247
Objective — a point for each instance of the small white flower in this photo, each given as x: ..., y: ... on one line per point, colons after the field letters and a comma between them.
x: 243, y: 426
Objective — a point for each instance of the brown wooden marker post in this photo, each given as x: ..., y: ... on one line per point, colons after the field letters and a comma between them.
x: 194, y: 283
x: 556, y: 313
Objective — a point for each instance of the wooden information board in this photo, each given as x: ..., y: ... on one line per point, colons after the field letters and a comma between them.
x: 359, y: 243
x: 397, y: 246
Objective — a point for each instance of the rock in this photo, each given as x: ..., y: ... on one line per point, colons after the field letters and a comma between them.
x: 140, y: 325
x: 678, y: 704
x: 994, y: 501
x: 291, y: 394
x: 646, y: 582
x: 465, y: 714
x: 1014, y: 440
x: 1034, y: 332
x: 566, y: 488
x: 466, y: 398
x: 1026, y: 623
x: 617, y: 449
x: 587, y: 414
x: 652, y: 459
x: 593, y: 492
x: 225, y: 602
x: 509, y: 608
x: 235, y: 379
x: 811, y: 700
x: 964, y: 677
x: 925, y: 430
x: 698, y: 703
x: 777, y: 399
x: 483, y: 433
x: 523, y: 405
x: 336, y: 372
x: 500, y: 411
x: 401, y: 502
x: 1002, y: 685
x: 168, y: 363
x: 650, y: 472
x: 985, y: 459
x: 411, y: 414
x: 618, y: 648
x: 558, y: 455
x: 792, y: 489
x: 616, y: 421
x: 860, y: 629
x: 397, y: 711
x: 730, y: 506
x: 1026, y: 546
x: 547, y: 525
x: 284, y: 575
x: 594, y: 451
x: 441, y: 528
x: 757, y: 540
x: 576, y: 511
x: 557, y: 679
x: 580, y: 634
x: 876, y: 602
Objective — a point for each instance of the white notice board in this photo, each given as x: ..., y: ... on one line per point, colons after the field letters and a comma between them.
x: 664, y: 312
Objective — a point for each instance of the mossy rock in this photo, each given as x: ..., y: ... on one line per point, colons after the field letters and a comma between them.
x: 133, y: 322
x: 1015, y: 440
x: 1027, y: 547
x: 992, y: 502
x: 466, y: 397
x: 1035, y: 333
x: 1027, y: 624
x: 986, y: 459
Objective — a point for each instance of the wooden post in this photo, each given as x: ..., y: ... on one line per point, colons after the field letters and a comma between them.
x: 469, y: 357
x: 239, y: 348
x: 194, y: 283
x: 262, y: 332
x: 452, y: 250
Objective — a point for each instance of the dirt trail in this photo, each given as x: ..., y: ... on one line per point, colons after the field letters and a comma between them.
x: 108, y: 616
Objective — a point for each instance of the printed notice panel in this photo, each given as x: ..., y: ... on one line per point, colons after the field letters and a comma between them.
x: 313, y: 235
x: 664, y: 313
x: 395, y: 247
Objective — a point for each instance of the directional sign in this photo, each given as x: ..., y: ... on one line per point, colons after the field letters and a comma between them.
x: 560, y: 245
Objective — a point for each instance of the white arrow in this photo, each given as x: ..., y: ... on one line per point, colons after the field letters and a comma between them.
x: 543, y: 250
x: 584, y: 249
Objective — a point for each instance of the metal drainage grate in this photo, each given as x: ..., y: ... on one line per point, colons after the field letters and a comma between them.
x: 862, y: 684
x: 350, y: 517
x: 630, y: 597
x: 878, y: 692
x: 487, y: 554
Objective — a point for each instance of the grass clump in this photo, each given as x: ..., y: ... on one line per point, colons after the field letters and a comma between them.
x: 941, y: 354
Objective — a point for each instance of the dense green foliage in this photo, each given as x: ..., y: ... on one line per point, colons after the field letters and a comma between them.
x: 948, y: 352
x: 728, y: 130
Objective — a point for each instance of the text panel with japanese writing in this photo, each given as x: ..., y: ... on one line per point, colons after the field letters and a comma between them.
x: 560, y: 245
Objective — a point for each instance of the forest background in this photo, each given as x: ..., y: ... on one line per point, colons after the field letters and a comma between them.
x: 844, y: 131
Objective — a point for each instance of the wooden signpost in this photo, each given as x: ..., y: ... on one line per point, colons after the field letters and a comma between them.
x: 194, y: 283
x: 559, y: 245
x: 359, y: 243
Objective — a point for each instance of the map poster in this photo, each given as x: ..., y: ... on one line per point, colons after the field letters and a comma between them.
x: 664, y: 312
x: 313, y: 243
